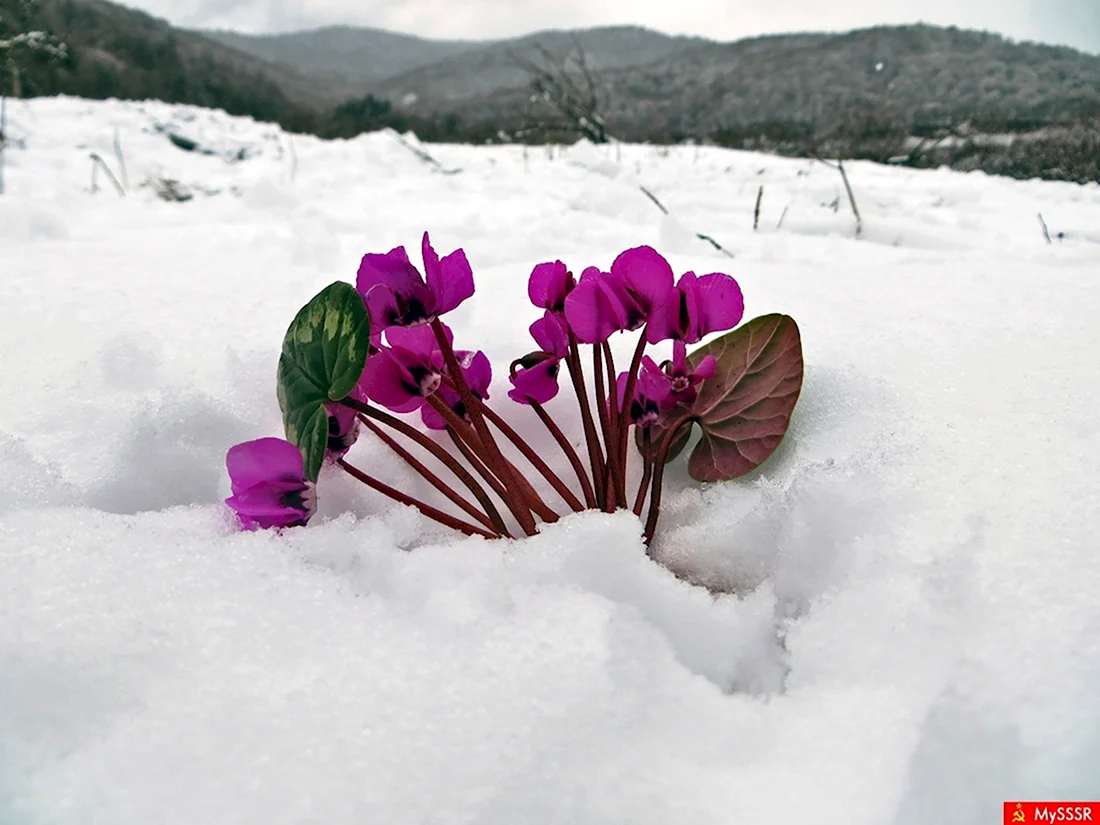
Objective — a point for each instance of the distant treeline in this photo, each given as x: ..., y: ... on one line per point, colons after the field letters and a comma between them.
x: 117, y: 52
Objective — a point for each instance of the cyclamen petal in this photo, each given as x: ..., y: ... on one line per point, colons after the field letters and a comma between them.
x: 393, y: 290
x: 451, y: 280
x: 268, y: 483
x: 594, y: 309
x: 651, y: 390
x: 478, y: 373
x: 551, y: 334
x: 420, y: 340
x: 397, y: 296
x: 705, y: 369
x: 645, y: 274
x: 538, y: 383
x: 684, y: 382
x: 399, y: 379
x: 652, y: 381
x: 431, y: 417
x: 343, y: 430
x: 697, y: 307
x: 720, y: 304
x: 260, y: 461
x: 666, y: 319
x: 549, y: 285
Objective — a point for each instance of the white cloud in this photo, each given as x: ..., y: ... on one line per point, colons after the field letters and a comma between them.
x: 1073, y: 22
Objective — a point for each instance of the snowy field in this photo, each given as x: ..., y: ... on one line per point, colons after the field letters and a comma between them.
x: 908, y: 629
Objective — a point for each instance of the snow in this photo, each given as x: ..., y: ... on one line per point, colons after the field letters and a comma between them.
x: 903, y: 626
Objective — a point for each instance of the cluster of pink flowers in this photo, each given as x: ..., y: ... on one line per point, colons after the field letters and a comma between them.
x: 413, y: 367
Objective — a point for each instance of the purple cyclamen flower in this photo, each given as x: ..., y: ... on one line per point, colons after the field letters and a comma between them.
x: 599, y: 306
x: 537, y: 380
x: 645, y: 276
x: 623, y: 299
x: 402, y: 375
x: 651, y: 392
x: 397, y: 296
x: 343, y: 430
x: 696, y: 307
x: 478, y: 373
x: 684, y: 382
x: 269, y: 484
x: 549, y: 285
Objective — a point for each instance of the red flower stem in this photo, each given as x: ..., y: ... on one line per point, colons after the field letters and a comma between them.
x: 595, y: 457
x: 570, y: 453
x: 492, y: 453
x: 659, y: 474
x: 432, y: 478
x: 628, y: 398
x: 647, y: 471
x: 620, y: 420
x: 448, y: 460
x: 431, y: 512
x: 544, y: 469
x: 609, y: 442
x: 477, y: 464
x: 517, y: 492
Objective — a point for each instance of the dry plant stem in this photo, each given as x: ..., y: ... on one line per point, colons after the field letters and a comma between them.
x: 516, y: 490
x: 445, y: 519
x: 851, y: 197
x: 628, y: 396
x: 647, y: 471
x: 609, y: 442
x: 570, y: 453
x: 432, y: 478
x: 491, y: 451
x: 659, y: 474
x: 544, y: 469
x: 576, y: 374
x: 448, y: 460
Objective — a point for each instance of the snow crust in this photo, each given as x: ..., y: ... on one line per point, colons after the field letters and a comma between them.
x: 905, y: 626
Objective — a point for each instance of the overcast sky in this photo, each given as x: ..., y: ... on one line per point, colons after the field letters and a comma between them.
x: 1071, y: 22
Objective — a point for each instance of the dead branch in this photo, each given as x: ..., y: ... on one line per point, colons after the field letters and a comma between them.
x: 756, y: 211
x: 567, y: 87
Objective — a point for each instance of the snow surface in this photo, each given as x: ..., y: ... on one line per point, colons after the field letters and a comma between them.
x: 910, y: 630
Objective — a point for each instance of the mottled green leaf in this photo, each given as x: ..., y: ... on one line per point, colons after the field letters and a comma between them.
x: 324, y: 351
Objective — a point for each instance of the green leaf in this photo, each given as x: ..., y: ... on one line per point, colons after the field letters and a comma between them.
x: 324, y: 352
x: 745, y: 408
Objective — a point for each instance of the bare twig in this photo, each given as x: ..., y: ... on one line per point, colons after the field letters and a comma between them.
x: 839, y: 166
x: 851, y: 197
x: 653, y: 198
x: 97, y: 161
x: 756, y: 211
x: 781, y: 217
x: 121, y: 161
x: 1046, y: 232
x: 424, y: 156
x: 698, y: 235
